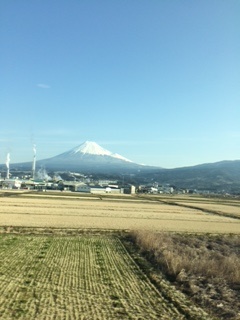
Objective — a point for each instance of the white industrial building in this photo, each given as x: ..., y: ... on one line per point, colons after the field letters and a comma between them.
x: 97, y: 189
x: 11, y: 184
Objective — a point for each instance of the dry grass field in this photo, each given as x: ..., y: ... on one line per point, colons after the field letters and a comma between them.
x: 222, y: 206
x: 205, y: 267
x: 110, y: 212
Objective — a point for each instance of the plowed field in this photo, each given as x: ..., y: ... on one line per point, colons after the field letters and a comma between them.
x: 80, y: 277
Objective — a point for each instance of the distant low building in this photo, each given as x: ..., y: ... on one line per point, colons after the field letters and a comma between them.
x: 131, y: 189
x: 83, y: 188
x: 10, y: 184
x: 106, y: 182
x: 97, y: 189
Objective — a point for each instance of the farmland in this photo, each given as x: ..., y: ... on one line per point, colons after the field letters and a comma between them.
x: 112, y: 212
x: 80, y: 277
x: 63, y: 255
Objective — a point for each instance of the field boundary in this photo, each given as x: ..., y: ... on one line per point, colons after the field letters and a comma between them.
x: 208, y: 211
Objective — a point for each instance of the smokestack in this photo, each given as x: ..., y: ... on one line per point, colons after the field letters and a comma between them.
x: 7, y: 165
x: 34, y: 161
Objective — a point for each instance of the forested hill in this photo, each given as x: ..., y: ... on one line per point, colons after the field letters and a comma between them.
x: 219, y: 176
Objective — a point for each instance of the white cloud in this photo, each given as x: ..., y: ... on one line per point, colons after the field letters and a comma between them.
x: 43, y: 86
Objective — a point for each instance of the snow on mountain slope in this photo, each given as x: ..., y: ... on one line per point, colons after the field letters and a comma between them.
x: 92, y: 148
x: 89, y: 158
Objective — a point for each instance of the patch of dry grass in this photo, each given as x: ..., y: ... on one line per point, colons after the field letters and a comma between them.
x: 206, y: 267
x: 212, y: 256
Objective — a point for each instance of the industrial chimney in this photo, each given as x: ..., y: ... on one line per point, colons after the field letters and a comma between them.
x: 34, y: 161
x: 7, y: 165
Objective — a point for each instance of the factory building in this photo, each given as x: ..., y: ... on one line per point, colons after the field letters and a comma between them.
x: 10, y: 184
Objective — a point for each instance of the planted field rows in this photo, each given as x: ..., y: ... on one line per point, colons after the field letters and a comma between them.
x: 130, y: 213
x: 82, y: 277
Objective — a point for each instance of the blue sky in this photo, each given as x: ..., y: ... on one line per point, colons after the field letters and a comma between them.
x: 156, y: 81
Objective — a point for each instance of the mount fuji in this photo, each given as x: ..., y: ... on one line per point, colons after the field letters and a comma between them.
x: 89, y: 157
x: 91, y: 148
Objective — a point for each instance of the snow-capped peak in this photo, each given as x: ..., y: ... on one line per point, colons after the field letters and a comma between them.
x: 90, y: 147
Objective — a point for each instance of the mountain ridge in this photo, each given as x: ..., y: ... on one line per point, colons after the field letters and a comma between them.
x: 89, y: 158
